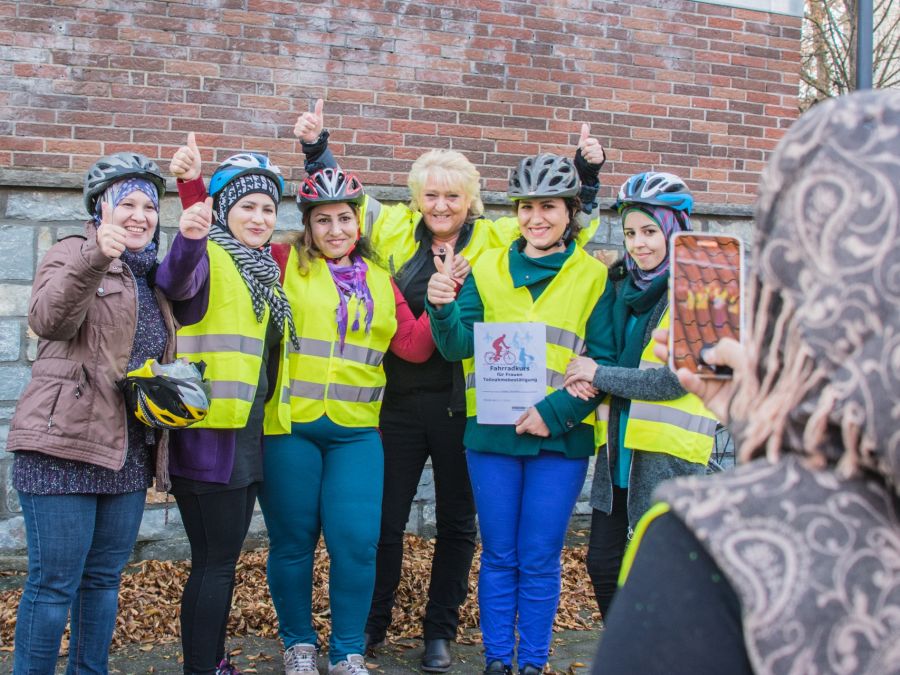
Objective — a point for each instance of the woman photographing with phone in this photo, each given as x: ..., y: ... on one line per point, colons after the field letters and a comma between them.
x: 653, y: 422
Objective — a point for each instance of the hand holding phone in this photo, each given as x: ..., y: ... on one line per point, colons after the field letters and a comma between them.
x: 705, y: 298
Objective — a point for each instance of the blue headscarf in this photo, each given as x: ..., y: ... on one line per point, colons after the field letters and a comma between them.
x: 115, y: 193
x: 669, y: 221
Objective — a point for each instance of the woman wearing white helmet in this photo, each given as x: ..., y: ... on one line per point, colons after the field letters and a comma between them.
x: 656, y: 429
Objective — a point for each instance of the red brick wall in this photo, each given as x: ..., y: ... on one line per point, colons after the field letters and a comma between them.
x: 695, y: 88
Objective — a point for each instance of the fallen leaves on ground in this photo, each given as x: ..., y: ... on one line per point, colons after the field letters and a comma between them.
x: 150, y: 595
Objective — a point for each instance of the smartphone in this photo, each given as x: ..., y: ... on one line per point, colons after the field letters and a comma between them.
x: 705, y: 298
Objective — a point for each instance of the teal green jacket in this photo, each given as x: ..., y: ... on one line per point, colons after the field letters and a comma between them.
x: 453, y: 329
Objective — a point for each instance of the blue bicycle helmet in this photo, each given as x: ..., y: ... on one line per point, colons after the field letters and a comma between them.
x: 653, y: 188
x: 240, y: 165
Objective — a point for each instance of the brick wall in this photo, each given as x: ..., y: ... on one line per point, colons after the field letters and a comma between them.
x: 697, y: 88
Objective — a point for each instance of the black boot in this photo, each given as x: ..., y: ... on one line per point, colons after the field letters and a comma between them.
x: 373, y: 642
x: 436, y: 657
x: 497, y: 668
x: 530, y: 670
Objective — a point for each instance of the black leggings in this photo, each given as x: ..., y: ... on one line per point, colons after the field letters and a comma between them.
x: 216, y: 525
x: 609, y: 535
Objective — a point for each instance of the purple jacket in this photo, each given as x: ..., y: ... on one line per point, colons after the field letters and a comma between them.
x: 199, y: 454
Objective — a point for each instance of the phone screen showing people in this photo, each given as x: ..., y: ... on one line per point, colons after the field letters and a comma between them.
x: 704, y: 298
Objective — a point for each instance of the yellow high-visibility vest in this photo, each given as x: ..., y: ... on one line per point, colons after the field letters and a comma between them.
x: 321, y: 379
x: 231, y: 342
x: 564, y: 307
x: 683, y: 428
x: 393, y: 234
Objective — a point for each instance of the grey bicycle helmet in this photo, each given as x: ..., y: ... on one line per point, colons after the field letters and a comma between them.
x: 544, y: 175
x: 655, y: 188
x: 119, y: 166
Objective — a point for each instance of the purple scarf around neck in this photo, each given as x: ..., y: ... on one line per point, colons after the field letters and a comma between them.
x: 351, y: 281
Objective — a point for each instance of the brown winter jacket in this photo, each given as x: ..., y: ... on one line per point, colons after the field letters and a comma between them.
x: 84, y: 309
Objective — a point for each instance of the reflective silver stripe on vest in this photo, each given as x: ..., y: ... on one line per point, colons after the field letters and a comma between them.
x: 232, y: 389
x: 565, y: 339
x: 322, y: 348
x: 352, y: 394
x: 311, y: 347
x: 304, y: 389
x: 648, y: 365
x: 650, y: 412
x: 371, y: 357
x: 221, y: 342
x: 336, y: 392
x: 285, y: 394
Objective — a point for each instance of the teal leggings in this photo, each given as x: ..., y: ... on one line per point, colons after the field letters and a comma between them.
x: 323, y: 478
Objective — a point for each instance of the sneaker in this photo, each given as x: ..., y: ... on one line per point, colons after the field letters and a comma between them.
x: 497, y: 667
x: 354, y: 664
x: 301, y: 659
x: 225, y: 668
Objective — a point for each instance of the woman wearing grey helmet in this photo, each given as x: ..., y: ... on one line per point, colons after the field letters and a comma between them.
x: 527, y: 476
x: 83, y: 461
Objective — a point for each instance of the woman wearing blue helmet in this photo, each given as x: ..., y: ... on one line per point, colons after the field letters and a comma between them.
x: 233, y: 312
x: 652, y: 425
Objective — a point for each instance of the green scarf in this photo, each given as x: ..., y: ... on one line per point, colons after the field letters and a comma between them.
x: 639, y: 303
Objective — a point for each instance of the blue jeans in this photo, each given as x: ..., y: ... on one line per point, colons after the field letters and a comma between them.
x: 77, y: 547
x: 524, y: 505
x: 323, y: 479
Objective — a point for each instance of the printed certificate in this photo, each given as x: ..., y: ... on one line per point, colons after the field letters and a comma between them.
x: 510, y: 369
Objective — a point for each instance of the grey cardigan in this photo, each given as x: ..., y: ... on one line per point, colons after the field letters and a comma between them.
x: 648, y: 469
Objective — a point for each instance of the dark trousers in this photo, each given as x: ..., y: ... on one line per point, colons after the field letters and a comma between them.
x: 609, y: 536
x: 414, y: 427
x: 216, y: 525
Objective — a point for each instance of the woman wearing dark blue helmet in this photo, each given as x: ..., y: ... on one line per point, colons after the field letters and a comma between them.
x: 228, y: 299
x: 645, y: 444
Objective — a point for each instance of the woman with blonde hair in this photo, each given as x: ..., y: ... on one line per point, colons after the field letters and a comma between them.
x: 423, y: 416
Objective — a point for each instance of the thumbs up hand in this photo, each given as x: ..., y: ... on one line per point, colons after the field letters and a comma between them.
x: 195, y: 221
x: 310, y: 124
x: 110, y: 237
x: 441, y: 287
x: 590, y: 147
x: 186, y: 163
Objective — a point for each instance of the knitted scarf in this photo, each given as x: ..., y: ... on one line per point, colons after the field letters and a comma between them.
x: 260, y: 272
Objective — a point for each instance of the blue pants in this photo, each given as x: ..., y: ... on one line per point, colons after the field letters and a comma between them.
x: 524, y: 505
x: 323, y: 478
x: 77, y: 548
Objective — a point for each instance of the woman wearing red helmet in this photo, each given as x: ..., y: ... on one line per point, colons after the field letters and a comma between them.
x: 324, y: 461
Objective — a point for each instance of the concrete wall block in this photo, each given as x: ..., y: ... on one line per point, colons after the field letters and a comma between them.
x: 4, y: 434
x: 10, y: 339
x: 31, y: 344
x: 45, y: 205
x: 14, y: 299
x: 12, y: 535
x: 17, y: 252
x: 10, y: 502
x: 12, y: 381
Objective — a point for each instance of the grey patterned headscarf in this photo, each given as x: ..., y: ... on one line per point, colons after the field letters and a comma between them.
x: 825, y: 338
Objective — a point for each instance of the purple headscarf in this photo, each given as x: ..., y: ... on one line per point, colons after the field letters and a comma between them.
x: 351, y: 281
x: 115, y: 193
x: 668, y: 222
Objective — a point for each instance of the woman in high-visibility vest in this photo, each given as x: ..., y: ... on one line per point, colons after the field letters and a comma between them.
x: 323, y: 459
x: 423, y: 416
x: 527, y: 475
x: 656, y: 429
x: 233, y: 316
